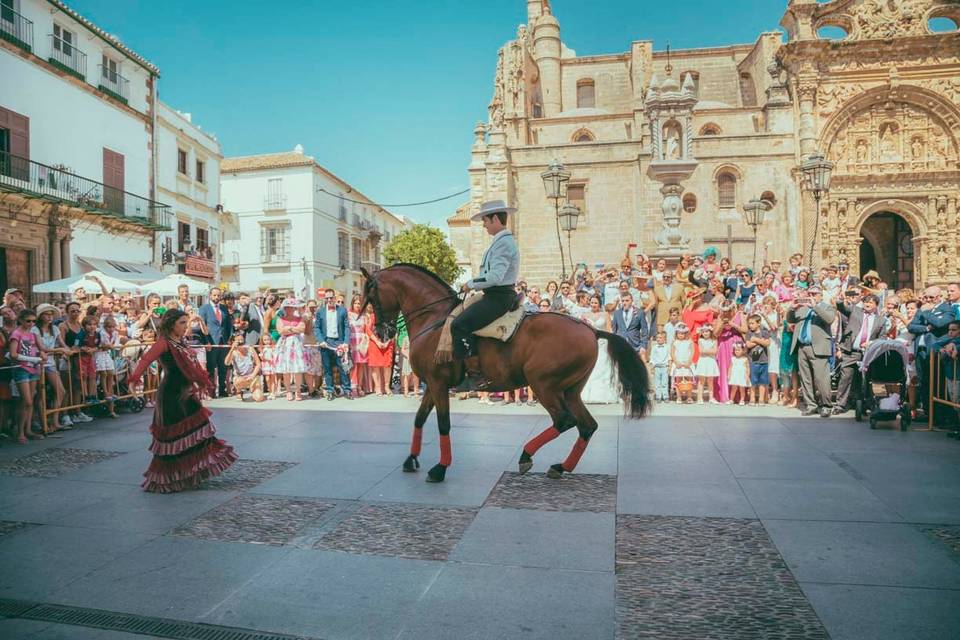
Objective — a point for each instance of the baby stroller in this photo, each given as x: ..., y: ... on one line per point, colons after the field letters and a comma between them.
x: 884, y: 364
x: 133, y: 404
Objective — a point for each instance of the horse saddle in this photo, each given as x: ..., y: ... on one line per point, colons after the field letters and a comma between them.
x: 503, y: 328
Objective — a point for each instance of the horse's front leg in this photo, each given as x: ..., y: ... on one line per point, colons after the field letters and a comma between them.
x: 412, y: 463
x: 441, y: 398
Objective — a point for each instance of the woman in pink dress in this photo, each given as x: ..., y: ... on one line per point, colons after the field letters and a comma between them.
x: 729, y: 327
x: 359, y: 345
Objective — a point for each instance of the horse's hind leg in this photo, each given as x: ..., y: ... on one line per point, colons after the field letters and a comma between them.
x: 441, y: 398
x: 412, y: 463
x: 586, y: 425
x: 553, y: 402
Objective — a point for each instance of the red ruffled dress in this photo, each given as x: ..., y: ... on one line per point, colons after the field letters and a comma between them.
x: 185, y: 449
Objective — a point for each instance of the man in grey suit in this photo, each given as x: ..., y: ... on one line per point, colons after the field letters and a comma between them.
x: 812, y: 318
x: 860, y: 325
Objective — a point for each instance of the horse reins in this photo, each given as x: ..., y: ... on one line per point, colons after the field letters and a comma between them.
x: 455, y: 296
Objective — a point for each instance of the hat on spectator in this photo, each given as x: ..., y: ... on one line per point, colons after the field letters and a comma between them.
x: 44, y: 307
x: 11, y: 290
x: 292, y: 303
x: 748, y: 271
x: 491, y: 207
x: 871, y: 274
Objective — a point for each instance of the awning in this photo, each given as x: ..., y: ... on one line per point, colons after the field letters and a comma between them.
x: 168, y: 286
x: 137, y: 272
x: 85, y: 281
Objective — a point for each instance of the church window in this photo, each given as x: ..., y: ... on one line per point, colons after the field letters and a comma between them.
x: 727, y: 191
x: 689, y: 203
x: 831, y: 32
x: 576, y: 195
x: 748, y: 93
x: 941, y: 24
x: 586, y: 96
x: 583, y: 135
x: 710, y: 129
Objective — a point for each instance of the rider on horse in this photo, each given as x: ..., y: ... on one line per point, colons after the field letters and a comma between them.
x: 497, y: 277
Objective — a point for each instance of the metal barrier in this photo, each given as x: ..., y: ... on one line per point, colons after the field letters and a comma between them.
x: 944, y: 389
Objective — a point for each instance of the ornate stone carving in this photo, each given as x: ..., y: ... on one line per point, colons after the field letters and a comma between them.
x: 496, y: 104
x: 831, y: 97
x: 889, y: 18
x: 949, y: 87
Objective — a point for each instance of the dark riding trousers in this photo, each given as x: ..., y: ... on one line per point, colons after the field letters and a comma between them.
x: 495, y: 302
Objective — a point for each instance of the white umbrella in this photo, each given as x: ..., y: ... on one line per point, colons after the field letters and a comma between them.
x: 85, y: 281
x: 168, y: 286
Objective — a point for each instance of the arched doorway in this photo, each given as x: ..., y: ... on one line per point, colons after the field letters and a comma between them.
x: 887, y: 248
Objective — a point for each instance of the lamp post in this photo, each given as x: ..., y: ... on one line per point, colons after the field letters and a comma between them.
x: 567, y: 217
x: 753, y: 213
x: 816, y: 171
x: 555, y: 180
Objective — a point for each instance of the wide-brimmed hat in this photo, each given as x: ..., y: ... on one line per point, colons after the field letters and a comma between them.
x: 293, y: 303
x: 871, y: 274
x: 44, y: 307
x: 490, y: 207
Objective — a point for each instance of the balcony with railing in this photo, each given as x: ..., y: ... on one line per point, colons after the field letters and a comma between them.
x: 57, y: 184
x: 16, y: 29
x: 113, y: 84
x: 66, y: 57
x: 275, y: 202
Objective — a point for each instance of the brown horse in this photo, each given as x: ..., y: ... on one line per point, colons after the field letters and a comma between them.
x: 552, y: 353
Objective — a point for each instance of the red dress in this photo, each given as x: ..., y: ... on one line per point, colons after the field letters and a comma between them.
x: 185, y: 451
x: 694, y: 320
x: 377, y: 357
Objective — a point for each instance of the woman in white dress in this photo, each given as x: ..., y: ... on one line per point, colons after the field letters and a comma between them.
x: 602, y: 387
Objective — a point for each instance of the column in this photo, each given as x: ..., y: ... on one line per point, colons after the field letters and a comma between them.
x: 55, y: 258
x: 65, y: 258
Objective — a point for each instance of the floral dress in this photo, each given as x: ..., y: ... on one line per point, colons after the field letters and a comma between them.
x: 358, y: 325
x: 291, y: 356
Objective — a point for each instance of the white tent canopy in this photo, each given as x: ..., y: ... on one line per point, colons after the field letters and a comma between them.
x: 168, y: 286
x: 85, y: 281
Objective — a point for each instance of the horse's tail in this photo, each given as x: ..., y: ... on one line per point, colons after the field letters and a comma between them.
x: 632, y: 373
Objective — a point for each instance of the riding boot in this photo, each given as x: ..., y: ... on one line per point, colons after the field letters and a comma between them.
x: 473, y: 379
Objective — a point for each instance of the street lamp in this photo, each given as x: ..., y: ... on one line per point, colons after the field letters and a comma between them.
x: 753, y: 213
x: 567, y: 218
x: 816, y: 171
x: 555, y: 180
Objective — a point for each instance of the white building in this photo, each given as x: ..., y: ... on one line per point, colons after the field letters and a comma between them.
x: 188, y: 177
x: 301, y: 227
x: 77, y: 130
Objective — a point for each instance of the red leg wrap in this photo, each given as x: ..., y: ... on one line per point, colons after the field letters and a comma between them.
x: 417, y: 441
x: 446, y: 457
x: 578, y: 448
x: 545, y: 436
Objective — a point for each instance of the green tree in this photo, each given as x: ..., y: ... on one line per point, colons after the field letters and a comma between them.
x: 427, y: 247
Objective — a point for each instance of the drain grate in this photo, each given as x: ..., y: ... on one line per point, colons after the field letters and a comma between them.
x: 144, y: 625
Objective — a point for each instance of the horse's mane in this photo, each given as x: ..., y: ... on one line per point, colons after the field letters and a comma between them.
x: 426, y: 272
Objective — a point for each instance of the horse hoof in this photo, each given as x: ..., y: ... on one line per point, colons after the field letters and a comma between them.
x: 525, y: 466
x: 411, y: 464
x: 555, y: 471
x: 437, y: 473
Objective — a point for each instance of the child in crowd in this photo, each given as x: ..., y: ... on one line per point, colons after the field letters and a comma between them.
x: 758, y: 343
x: 738, y: 375
x: 660, y: 361
x: 681, y: 355
x: 268, y: 359
x: 707, y: 368
x: 103, y: 360
x: 670, y: 327
x: 25, y: 350
x: 89, y: 340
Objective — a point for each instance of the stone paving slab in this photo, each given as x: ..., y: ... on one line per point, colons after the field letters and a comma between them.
x: 709, y: 578
x: 246, y: 474
x: 7, y: 527
x: 571, y: 492
x: 401, y: 531
x: 53, y: 462
x: 255, y: 519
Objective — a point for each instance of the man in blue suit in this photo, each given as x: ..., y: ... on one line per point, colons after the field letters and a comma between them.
x: 931, y: 323
x: 630, y: 323
x: 332, y: 328
x: 220, y: 325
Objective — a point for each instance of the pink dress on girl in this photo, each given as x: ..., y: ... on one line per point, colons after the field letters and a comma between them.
x: 725, y: 341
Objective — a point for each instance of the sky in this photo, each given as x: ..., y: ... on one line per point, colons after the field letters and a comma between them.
x: 383, y: 93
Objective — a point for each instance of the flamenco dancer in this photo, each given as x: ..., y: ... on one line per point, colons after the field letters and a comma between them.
x: 185, y: 451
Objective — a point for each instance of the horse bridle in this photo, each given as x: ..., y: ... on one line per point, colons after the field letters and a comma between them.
x: 371, y: 288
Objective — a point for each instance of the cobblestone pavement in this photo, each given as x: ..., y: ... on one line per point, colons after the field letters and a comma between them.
x: 696, y: 526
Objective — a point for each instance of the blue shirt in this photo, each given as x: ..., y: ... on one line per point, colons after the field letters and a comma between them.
x: 501, y: 263
x: 804, y: 337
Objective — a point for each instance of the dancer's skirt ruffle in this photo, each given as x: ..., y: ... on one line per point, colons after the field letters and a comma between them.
x: 183, y: 462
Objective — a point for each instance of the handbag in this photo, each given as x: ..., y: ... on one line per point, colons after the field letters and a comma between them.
x: 363, y: 344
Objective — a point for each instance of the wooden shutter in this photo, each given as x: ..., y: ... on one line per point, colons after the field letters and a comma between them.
x: 16, y: 165
x: 113, y: 180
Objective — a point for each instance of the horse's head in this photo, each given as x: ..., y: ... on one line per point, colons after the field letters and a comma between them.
x: 383, y: 301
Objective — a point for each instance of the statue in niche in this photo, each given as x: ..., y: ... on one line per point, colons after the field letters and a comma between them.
x: 941, y: 260
x: 839, y: 151
x: 861, y: 150
x: 888, y: 143
x: 672, y: 146
x: 916, y: 149
x: 496, y: 114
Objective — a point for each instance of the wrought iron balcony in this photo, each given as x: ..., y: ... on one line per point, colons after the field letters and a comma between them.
x: 275, y: 202
x: 16, y: 29
x: 65, y: 56
x: 55, y: 184
x: 113, y: 84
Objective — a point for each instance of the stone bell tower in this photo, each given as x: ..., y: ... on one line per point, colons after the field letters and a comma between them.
x: 546, y: 53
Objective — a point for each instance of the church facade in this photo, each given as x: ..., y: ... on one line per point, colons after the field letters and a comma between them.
x: 664, y: 148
